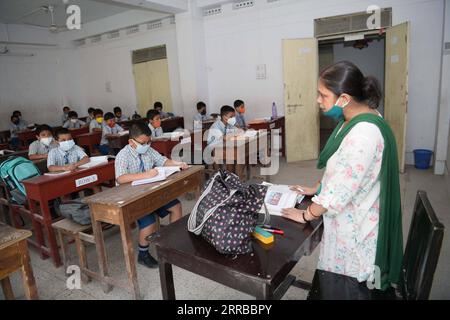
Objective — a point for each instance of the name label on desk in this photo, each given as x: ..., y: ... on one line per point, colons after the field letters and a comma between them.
x: 86, y: 180
x: 272, y: 125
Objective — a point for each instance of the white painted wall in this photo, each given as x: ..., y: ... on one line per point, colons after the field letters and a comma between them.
x: 110, y: 61
x: 33, y: 85
x: 236, y: 41
x: 369, y: 60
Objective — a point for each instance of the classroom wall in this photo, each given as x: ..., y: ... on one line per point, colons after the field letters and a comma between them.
x: 238, y: 40
x: 33, y: 85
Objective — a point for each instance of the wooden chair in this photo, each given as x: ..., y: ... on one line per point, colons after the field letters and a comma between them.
x: 14, y: 256
x: 419, y: 264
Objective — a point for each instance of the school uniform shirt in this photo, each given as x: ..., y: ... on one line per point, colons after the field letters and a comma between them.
x: 351, y: 194
x: 128, y: 161
x: 14, y: 128
x: 158, y: 132
x: 95, y: 125
x: 37, y: 147
x: 218, y: 130
x: 122, y: 118
x: 64, y: 117
x: 74, y: 125
x: 240, y: 120
x: 88, y: 120
x: 57, y: 157
x: 108, y: 130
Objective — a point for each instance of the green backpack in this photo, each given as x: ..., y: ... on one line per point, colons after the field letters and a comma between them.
x: 13, y: 171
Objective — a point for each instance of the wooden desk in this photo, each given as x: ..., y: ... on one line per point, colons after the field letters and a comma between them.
x: 269, y: 125
x: 4, y: 136
x: 89, y: 141
x: 14, y: 256
x: 263, y: 273
x: 124, y: 205
x: 77, y: 132
x: 170, y: 124
x: 128, y: 123
x: 165, y: 146
x: 26, y: 137
x: 117, y: 142
x: 207, y: 124
x: 237, y: 151
x: 40, y: 190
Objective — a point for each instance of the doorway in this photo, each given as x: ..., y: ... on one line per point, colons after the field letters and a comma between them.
x: 368, y: 54
x: 151, y: 77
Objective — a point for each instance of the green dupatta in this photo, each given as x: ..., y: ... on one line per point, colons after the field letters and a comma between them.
x: 389, y: 254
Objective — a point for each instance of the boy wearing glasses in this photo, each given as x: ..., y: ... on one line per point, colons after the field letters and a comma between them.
x: 136, y: 161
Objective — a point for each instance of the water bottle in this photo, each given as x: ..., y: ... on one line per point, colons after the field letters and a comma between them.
x: 274, y: 111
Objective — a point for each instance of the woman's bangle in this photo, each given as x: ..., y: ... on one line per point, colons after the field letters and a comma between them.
x: 303, y: 215
x: 311, y: 213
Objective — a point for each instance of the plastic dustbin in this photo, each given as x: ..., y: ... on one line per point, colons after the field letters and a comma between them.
x: 422, y: 158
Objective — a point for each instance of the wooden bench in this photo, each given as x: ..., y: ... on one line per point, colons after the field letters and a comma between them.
x: 14, y: 256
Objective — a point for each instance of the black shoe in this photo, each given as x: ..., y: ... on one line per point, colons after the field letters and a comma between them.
x: 148, y: 261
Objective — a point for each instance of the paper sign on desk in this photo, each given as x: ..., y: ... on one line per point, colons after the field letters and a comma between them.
x: 163, y: 173
x: 86, y: 180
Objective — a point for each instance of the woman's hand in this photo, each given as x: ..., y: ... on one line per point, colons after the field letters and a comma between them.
x: 307, y: 191
x: 293, y: 214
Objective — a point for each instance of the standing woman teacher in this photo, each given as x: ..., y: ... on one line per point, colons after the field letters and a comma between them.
x: 359, y: 195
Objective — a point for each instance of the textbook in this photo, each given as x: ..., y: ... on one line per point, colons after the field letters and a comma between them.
x: 56, y: 173
x: 279, y: 197
x: 163, y: 173
x: 124, y: 132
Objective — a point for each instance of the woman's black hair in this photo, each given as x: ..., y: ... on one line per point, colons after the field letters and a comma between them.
x: 345, y: 77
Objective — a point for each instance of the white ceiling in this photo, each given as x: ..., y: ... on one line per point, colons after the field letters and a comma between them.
x: 12, y: 10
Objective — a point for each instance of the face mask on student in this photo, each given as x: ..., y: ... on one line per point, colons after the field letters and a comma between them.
x: 141, y: 148
x: 157, y: 123
x: 242, y: 110
x: 203, y: 112
x: 99, y: 119
x: 336, y: 112
x: 46, y: 141
x: 66, y: 145
x: 232, y: 121
x: 73, y: 120
x: 111, y: 125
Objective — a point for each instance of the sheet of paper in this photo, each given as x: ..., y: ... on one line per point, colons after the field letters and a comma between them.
x: 279, y: 197
x: 56, y: 173
x: 123, y: 133
x: 94, y: 161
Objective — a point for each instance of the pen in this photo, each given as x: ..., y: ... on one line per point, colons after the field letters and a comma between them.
x: 274, y: 231
x: 269, y: 227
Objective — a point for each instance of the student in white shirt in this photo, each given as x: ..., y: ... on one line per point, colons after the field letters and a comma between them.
x: 159, y: 106
x: 224, y: 126
x: 154, y: 123
x: 40, y: 148
x: 119, y: 116
x: 73, y: 122
x: 96, y: 125
x: 65, y: 115
x: 200, y: 116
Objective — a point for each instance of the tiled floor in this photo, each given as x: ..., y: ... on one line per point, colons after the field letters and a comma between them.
x: 51, y: 282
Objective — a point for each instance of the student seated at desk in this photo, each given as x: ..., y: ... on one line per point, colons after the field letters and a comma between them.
x: 154, y: 123
x: 110, y: 128
x: 119, y: 116
x: 90, y: 116
x: 40, y: 148
x: 97, y: 124
x: 15, y: 127
x: 239, y: 106
x: 73, y: 122
x: 200, y: 116
x: 223, y: 126
x: 18, y: 114
x: 159, y: 106
x: 67, y: 156
x: 65, y: 115
x: 137, y: 161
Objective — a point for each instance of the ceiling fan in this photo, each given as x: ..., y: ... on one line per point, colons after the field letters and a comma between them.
x: 50, y: 9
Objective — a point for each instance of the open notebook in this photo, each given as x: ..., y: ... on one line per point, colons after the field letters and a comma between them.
x: 94, y: 161
x: 279, y: 197
x: 163, y: 173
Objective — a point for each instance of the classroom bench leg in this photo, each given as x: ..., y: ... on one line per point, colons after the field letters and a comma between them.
x: 47, y: 221
x: 7, y: 289
x: 166, y: 277
x: 29, y: 284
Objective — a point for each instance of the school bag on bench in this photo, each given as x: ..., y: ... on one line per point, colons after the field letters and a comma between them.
x: 13, y: 171
x: 226, y: 213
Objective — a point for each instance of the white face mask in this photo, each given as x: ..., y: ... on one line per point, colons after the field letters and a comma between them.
x: 46, y: 141
x: 66, y: 145
x: 232, y: 121
x: 74, y: 120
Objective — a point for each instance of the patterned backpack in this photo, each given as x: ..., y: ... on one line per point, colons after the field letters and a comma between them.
x: 226, y: 213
